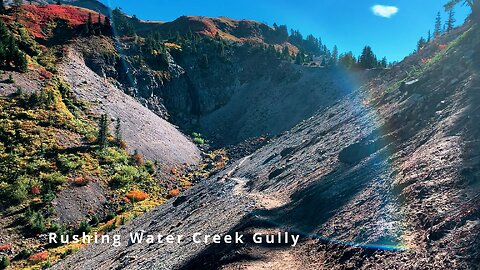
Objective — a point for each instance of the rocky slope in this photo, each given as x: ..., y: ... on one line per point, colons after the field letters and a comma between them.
x: 142, y: 129
x: 386, y: 177
x: 245, y: 91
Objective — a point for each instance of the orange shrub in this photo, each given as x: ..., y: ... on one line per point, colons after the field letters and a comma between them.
x: 81, y: 181
x: 136, y: 195
x: 38, y: 257
x: 442, y: 46
x: 174, y: 192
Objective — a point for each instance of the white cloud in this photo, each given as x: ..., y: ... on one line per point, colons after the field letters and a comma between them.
x: 384, y: 11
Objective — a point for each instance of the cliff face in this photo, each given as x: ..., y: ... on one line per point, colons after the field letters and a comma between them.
x: 228, y: 91
x: 386, y: 177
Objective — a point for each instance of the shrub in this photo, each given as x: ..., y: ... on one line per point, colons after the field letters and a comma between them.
x: 5, y: 247
x: 124, y: 175
x: 136, y: 195
x: 35, y: 221
x: 138, y: 159
x: 150, y: 167
x: 198, y: 140
x: 4, y: 262
x: 84, y: 227
x: 69, y: 162
x: 174, y: 192
x: 38, y: 257
x: 18, y: 191
x: 10, y: 79
x: 53, y: 181
x: 23, y: 254
x: 81, y: 181
x: 112, y: 155
x: 19, y: 91
x: 123, y: 145
x: 95, y: 220
x: 111, y: 225
x: 35, y: 189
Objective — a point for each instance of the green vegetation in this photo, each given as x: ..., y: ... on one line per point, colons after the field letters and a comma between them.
x: 103, y: 131
x: 197, y: 138
x: 10, y: 54
x: 4, y: 262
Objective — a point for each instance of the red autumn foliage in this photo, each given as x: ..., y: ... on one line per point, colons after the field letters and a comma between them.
x: 35, y: 190
x: 6, y: 247
x: 36, y: 17
x: 137, y: 195
x: 38, y: 257
x: 442, y: 46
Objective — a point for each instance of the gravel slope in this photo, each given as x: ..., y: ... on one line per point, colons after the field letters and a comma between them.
x: 144, y: 131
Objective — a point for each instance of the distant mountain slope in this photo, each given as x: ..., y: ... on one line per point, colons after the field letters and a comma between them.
x: 90, y: 4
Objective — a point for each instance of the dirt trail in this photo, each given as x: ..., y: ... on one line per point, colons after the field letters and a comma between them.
x: 263, y: 200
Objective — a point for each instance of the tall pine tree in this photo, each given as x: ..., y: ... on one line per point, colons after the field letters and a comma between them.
x: 421, y: 43
x: 102, y: 131
x: 451, y: 20
x: 335, y: 55
x: 438, y: 25
x: 367, y: 59
x: 2, y: 6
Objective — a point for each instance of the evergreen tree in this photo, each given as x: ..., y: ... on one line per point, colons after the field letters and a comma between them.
x: 347, y: 60
x: 367, y: 59
x: 473, y: 4
x: 2, y: 6
x: 451, y: 20
x: 438, y: 25
x: 384, y: 62
x: 204, y: 62
x: 102, y: 131
x: 118, y: 131
x: 421, y: 43
x: 122, y: 24
x: 286, y: 53
x: 90, y: 29
x: 107, y: 22
x: 335, y: 55
x: 10, y: 54
x: 300, y: 58
x: 59, y: 2
x: 429, y: 36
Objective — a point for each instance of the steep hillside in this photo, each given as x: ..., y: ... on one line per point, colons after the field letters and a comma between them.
x: 387, y: 177
x: 77, y: 154
x: 227, y: 89
x: 93, y: 5
x: 144, y: 131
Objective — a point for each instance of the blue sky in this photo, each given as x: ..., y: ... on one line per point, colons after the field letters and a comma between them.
x: 350, y: 24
